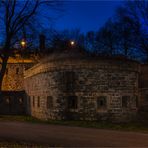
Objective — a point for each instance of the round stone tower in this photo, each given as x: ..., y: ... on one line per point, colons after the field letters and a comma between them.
x: 72, y: 85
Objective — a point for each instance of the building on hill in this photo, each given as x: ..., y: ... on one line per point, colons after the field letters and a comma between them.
x: 72, y: 85
x: 14, y: 97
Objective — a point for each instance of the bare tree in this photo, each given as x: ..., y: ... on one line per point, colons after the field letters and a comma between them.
x: 136, y: 12
x: 106, y: 39
x: 15, y: 16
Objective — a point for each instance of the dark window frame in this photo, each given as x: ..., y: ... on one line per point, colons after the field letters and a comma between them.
x: 49, y: 103
x: 136, y: 100
x: 72, y: 102
x: 102, y: 102
x: 38, y: 101
x: 17, y: 70
x: 125, y: 101
x: 68, y: 79
x: 33, y: 101
x: 7, y: 99
x: 21, y: 100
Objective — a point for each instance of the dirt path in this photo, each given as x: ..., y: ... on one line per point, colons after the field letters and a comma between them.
x: 70, y: 136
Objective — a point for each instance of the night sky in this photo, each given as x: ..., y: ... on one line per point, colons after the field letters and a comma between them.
x: 86, y: 15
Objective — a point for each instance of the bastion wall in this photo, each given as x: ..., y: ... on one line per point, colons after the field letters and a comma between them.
x: 83, y: 89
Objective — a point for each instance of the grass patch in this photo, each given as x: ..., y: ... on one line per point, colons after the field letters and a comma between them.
x: 19, y: 118
x: 21, y: 144
x: 131, y: 126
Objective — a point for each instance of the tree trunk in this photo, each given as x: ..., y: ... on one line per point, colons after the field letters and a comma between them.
x: 6, y: 54
x: 2, y: 72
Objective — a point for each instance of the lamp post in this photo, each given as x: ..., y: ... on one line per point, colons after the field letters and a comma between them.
x: 23, y: 46
x: 72, y: 43
x: 23, y: 43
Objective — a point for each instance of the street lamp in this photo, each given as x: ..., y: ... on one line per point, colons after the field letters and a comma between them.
x: 23, y: 46
x: 23, y: 43
x: 72, y: 43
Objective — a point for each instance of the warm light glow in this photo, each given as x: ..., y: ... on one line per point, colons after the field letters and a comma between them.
x: 23, y: 43
x: 72, y: 43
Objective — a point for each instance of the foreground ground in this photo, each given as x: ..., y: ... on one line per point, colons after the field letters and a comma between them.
x: 57, y: 135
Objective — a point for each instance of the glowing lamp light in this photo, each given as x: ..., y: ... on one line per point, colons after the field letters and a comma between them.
x: 23, y: 43
x: 72, y: 43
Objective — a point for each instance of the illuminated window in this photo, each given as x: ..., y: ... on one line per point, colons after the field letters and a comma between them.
x: 72, y: 102
x: 101, y: 102
x: 49, y: 102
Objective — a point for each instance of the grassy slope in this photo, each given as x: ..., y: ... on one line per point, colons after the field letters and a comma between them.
x: 132, y: 126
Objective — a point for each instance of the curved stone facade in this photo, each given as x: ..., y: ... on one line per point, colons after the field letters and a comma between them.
x: 83, y: 89
x: 143, y: 87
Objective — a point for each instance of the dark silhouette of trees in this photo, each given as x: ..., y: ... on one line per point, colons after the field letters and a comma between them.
x: 126, y: 33
x: 106, y: 39
x: 133, y: 17
x: 17, y: 18
x: 61, y: 40
x: 89, y: 42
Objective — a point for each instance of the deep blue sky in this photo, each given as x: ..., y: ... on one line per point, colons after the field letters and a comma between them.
x: 86, y: 15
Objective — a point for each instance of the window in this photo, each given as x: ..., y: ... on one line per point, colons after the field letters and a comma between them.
x: 38, y: 101
x: 17, y: 70
x: 125, y: 101
x: 136, y: 100
x: 21, y: 100
x: 33, y: 101
x: 69, y: 80
x: 8, y: 100
x: 101, y: 102
x: 49, y: 102
x: 72, y: 102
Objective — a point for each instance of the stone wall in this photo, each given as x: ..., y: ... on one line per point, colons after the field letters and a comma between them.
x: 83, y: 89
x: 13, y: 100
x: 14, y: 77
x: 143, y: 88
